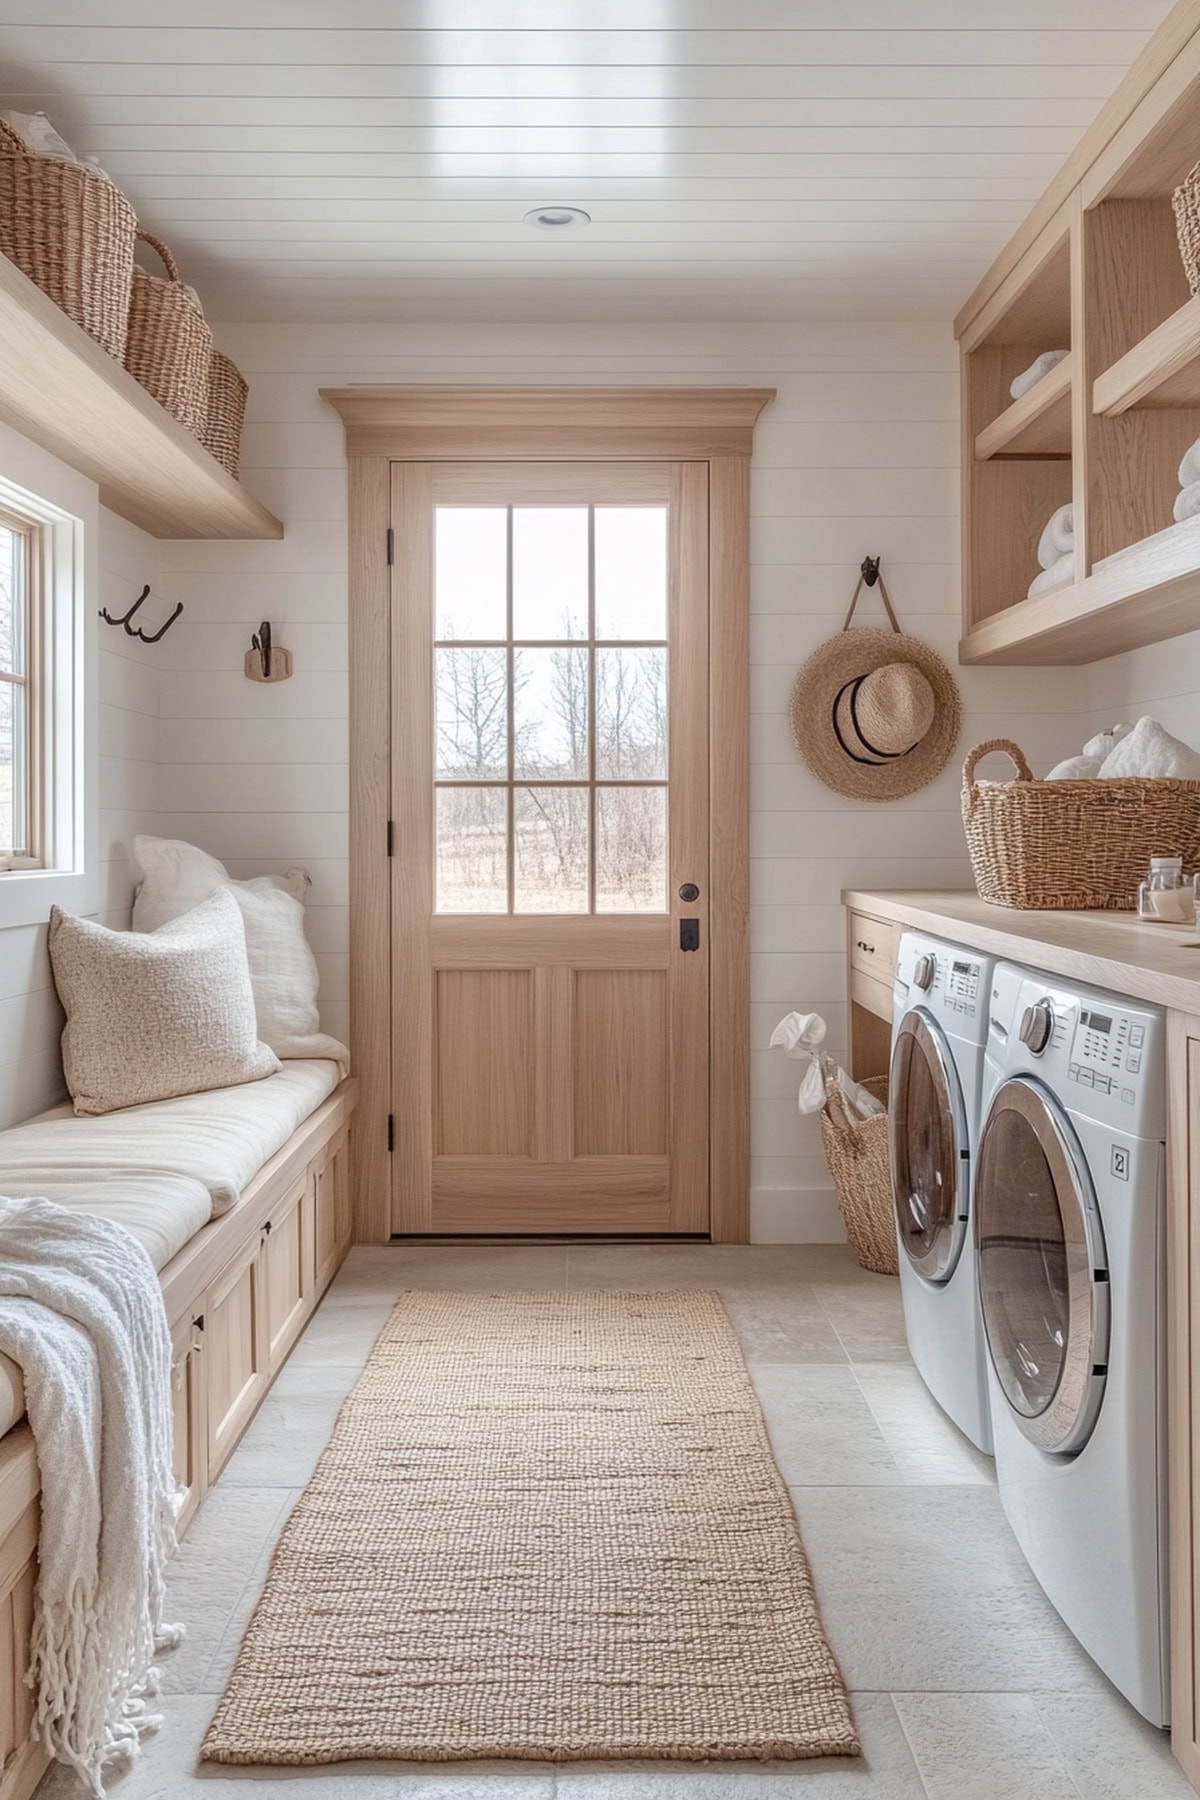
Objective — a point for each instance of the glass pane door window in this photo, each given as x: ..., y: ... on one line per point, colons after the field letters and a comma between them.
x: 551, y: 720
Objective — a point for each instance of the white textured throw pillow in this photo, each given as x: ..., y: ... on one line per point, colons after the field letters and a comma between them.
x: 283, y: 970
x: 151, y: 1015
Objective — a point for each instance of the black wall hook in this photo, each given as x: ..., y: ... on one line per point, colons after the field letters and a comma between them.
x: 869, y: 569
x: 132, y: 630
x: 162, y: 630
x: 261, y: 641
x: 109, y: 620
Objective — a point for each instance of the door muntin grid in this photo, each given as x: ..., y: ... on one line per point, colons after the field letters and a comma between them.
x: 551, y: 753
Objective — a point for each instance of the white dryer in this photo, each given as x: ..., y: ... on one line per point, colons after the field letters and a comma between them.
x: 1070, y: 1215
x: 939, y: 1025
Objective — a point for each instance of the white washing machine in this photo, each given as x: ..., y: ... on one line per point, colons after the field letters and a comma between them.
x: 1070, y: 1215
x: 939, y: 1025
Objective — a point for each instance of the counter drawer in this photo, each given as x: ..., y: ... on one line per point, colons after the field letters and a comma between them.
x: 875, y: 996
x: 874, y: 947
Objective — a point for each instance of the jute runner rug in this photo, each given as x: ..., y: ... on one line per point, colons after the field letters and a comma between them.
x: 546, y: 1526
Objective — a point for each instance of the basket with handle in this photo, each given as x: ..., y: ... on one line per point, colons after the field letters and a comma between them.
x: 857, y: 1153
x: 1186, y: 202
x: 1072, y: 845
x: 226, y: 411
x: 169, y: 347
x: 72, y: 232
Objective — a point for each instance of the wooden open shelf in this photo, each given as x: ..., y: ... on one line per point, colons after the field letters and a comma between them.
x: 1139, y: 596
x: 1161, y: 370
x: 1038, y: 424
x: 58, y: 387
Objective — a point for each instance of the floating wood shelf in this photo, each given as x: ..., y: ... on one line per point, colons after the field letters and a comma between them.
x: 1162, y: 370
x: 1139, y: 596
x: 1038, y: 424
x: 58, y: 387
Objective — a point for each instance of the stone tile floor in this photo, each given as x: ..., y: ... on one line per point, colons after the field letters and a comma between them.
x: 965, y: 1684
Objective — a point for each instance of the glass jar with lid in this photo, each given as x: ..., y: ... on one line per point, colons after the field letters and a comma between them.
x: 1167, y: 895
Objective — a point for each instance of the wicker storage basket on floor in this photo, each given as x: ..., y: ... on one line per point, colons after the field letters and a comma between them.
x: 226, y: 414
x: 857, y: 1153
x: 1186, y: 201
x: 72, y: 232
x: 1072, y: 845
x: 170, y: 345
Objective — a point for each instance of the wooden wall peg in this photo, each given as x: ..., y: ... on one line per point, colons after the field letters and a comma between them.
x: 266, y: 661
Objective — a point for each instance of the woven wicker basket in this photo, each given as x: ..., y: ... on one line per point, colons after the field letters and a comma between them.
x: 857, y: 1153
x: 170, y: 345
x: 226, y: 412
x: 72, y: 232
x: 1072, y: 845
x: 1186, y: 201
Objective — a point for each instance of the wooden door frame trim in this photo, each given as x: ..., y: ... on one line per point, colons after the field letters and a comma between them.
x: 498, y: 424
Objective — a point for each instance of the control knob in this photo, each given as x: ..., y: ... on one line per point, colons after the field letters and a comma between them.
x: 924, y: 972
x: 1037, y: 1023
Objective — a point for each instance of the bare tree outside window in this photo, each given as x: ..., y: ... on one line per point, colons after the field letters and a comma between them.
x: 552, y: 755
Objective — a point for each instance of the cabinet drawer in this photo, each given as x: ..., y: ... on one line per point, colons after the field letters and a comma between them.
x: 875, y: 996
x: 874, y: 944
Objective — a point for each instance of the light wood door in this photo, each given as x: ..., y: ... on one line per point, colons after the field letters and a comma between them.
x: 550, y: 795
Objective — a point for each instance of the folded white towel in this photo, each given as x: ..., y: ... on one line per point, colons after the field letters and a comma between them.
x: 1058, y: 536
x: 1187, y: 502
x: 1041, y: 365
x: 1189, y: 468
x: 1104, y: 741
x: 1076, y: 768
x: 39, y: 136
x: 1059, y: 572
x: 1150, y: 750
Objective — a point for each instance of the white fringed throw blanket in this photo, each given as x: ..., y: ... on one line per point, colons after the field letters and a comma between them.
x: 81, y: 1312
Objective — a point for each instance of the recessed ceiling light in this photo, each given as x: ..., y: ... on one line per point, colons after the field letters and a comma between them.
x: 558, y: 218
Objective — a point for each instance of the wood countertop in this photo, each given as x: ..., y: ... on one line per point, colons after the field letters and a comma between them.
x: 1114, y: 950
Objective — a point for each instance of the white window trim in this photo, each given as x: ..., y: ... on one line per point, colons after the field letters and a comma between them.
x: 66, y: 507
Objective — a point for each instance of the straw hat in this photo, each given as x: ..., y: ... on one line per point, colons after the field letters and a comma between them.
x: 875, y: 713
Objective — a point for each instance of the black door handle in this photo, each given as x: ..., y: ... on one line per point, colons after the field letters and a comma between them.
x: 689, y: 934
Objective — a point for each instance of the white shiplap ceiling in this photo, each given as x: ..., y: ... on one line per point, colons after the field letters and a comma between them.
x: 741, y: 159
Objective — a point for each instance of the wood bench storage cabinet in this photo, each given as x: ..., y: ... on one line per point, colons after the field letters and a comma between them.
x: 237, y: 1296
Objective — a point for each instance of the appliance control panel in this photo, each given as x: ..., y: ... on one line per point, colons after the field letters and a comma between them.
x: 1103, y: 1055
x: 964, y: 978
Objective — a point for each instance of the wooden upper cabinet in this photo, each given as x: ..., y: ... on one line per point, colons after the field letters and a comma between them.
x: 1095, y: 271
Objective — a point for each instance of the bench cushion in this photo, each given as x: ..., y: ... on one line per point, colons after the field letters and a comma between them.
x: 162, y: 1170
x: 221, y: 1138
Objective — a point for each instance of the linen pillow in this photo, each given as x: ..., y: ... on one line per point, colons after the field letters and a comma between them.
x: 151, y: 1015
x: 283, y: 970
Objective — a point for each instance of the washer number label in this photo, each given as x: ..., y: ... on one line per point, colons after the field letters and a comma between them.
x: 1120, y: 1162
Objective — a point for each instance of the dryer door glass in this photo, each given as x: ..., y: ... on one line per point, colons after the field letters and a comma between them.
x: 927, y: 1131
x: 1040, y: 1249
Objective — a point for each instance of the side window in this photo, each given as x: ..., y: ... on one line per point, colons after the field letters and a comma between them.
x: 20, y: 681
x: 42, y: 578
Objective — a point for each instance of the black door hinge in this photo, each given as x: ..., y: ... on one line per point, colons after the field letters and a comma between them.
x: 391, y: 545
x: 391, y: 1132
x: 391, y: 838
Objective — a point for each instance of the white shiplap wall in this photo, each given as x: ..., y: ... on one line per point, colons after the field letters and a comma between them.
x: 126, y: 790
x: 1162, y: 680
x: 858, y: 454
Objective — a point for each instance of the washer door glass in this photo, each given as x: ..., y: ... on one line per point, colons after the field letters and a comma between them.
x: 1040, y: 1248
x: 927, y: 1131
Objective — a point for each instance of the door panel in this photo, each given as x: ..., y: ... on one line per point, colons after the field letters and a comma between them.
x: 550, y: 782
x: 484, y: 1062
x: 622, y: 1062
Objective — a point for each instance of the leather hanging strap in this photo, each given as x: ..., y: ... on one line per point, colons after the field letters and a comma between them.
x: 868, y: 575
